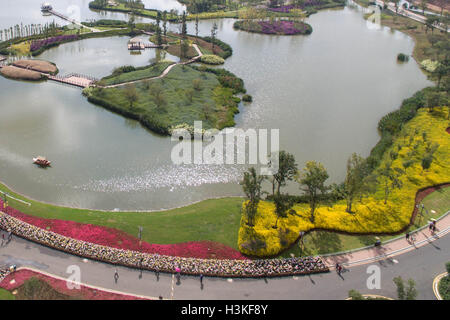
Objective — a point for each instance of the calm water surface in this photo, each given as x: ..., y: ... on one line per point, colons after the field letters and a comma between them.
x: 325, y: 92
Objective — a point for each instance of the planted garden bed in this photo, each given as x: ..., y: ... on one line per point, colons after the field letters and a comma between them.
x: 278, y: 27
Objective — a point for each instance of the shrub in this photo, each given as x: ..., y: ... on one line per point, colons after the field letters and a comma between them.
x: 247, y: 98
x: 402, y: 57
x: 212, y: 59
x: 447, y: 267
x: 429, y: 65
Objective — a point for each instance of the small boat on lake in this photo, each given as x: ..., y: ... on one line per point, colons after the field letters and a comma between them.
x: 41, y: 161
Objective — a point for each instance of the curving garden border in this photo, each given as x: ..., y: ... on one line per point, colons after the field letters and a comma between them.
x: 162, y: 263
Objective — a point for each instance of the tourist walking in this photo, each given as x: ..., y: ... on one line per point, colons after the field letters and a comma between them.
x: 116, y: 276
x: 407, y: 236
x: 201, y: 279
x: 338, y: 268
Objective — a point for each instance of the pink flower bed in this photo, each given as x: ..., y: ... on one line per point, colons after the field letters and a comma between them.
x: 119, y: 239
x: 84, y: 292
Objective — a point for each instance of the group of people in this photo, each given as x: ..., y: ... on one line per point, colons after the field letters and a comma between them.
x: 162, y: 263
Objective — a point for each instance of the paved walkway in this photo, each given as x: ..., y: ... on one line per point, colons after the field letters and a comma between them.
x: 421, y: 237
x: 163, y: 74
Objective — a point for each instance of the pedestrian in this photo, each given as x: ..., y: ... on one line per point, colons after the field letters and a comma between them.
x: 116, y: 276
x: 201, y: 279
x: 407, y: 236
x: 377, y: 242
x: 338, y: 268
x: 9, y: 235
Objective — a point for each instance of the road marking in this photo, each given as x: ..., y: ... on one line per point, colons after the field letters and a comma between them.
x: 173, y: 287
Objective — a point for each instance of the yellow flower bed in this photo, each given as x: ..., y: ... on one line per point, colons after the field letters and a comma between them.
x: 372, y: 215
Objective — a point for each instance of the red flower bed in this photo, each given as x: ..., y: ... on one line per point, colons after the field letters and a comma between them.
x: 118, y: 239
x: 84, y: 292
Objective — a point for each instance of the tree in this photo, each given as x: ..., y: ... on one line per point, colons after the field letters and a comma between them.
x: 131, y: 94
x: 430, y: 23
x: 426, y: 161
x: 183, y: 26
x: 283, y: 204
x: 196, y: 28
x: 390, y: 179
x: 190, y: 95
x: 355, y: 184
x: 164, y: 16
x: 251, y: 184
x: 197, y: 84
x: 423, y: 5
x: 287, y: 169
x: 213, y: 36
x: 184, y: 48
x: 409, y: 293
x: 441, y: 71
x: 433, y: 100
x: 406, y: 164
x: 355, y: 295
x: 131, y: 23
x: 157, y: 92
x: 312, y: 182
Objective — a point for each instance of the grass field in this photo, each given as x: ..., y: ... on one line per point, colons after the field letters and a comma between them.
x: 185, y: 95
x: 6, y: 295
x: 214, y: 220
x: 140, y: 73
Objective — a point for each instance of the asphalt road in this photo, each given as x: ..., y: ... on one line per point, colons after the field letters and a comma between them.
x: 421, y: 265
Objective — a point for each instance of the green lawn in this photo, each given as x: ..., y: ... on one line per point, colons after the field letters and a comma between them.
x: 214, y: 220
x: 183, y: 100
x: 6, y: 295
x: 140, y: 73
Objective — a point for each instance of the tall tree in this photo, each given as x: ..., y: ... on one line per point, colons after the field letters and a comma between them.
x: 183, y: 25
x: 287, y: 169
x: 283, y: 204
x: 251, y: 184
x: 356, y: 182
x: 165, y: 23
x: 389, y: 177
x: 131, y: 94
x: 312, y: 182
x: 196, y: 28
x: 213, y: 36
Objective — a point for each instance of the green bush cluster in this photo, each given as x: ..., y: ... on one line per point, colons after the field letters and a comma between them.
x: 226, y: 48
x: 402, y: 57
x: 392, y: 123
x: 212, y: 59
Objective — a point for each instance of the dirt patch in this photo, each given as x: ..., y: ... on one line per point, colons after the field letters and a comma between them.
x: 37, y: 65
x: 20, y: 74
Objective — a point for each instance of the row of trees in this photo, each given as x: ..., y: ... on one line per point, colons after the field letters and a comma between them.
x: 22, y: 31
x: 360, y: 180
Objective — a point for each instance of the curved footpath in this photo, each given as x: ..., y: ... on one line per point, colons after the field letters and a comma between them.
x: 421, y: 262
